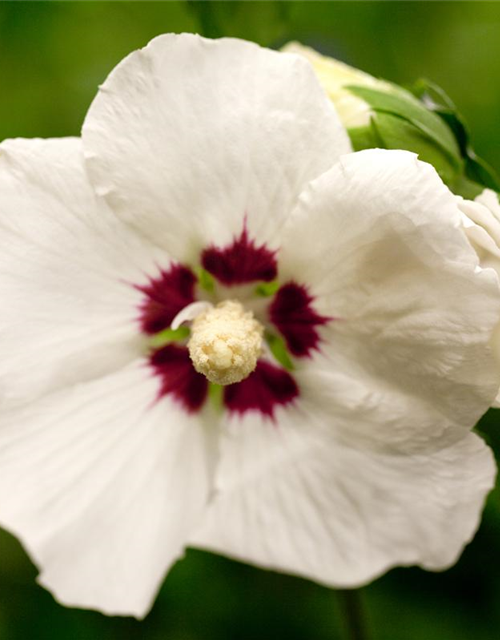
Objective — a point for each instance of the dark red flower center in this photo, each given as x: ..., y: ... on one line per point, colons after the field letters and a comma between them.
x: 267, y: 388
x: 178, y: 377
x: 291, y: 311
x: 241, y: 262
x: 165, y: 296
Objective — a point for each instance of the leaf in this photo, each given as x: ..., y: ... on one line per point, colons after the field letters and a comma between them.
x: 480, y: 171
x: 404, y: 105
x: 466, y: 188
x: 398, y: 133
x: 365, y: 138
x: 437, y: 101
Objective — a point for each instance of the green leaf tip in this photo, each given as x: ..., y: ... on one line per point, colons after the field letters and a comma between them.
x: 476, y: 170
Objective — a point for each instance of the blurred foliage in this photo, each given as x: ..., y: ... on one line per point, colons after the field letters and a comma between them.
x: 52, y: 57
x: 262, y: 22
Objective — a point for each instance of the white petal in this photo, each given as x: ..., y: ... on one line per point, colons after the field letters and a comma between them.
x: 297, y: 498
x: 479, y: 237
x: 102, y: 486
x: 379, y: 240
x: 482, y: 225
x: 491, y: 200
x: 189, y: 136
x: 67, y: 267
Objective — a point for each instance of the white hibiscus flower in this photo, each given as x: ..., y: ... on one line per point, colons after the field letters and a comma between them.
x: 213, y: 172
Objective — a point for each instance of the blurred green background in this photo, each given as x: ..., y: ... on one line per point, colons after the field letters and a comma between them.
x: 52, y: 57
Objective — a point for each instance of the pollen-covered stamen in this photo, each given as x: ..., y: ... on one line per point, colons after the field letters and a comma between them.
x: 225, y: 343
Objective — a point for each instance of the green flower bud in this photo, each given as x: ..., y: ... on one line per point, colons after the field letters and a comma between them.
x: 377, y: 113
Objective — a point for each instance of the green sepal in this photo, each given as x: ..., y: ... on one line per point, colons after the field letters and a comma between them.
x: 365, y: 137
x: 169, y: 335
x: 279, y: 350
x: 403, y: 105
x: 437, y: 101
x: 267, y: 289
x: 466, y: 188
x: 205, y: 279
x: 397, y: 133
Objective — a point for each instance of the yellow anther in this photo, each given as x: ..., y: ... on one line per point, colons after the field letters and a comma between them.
x: 225, y: 343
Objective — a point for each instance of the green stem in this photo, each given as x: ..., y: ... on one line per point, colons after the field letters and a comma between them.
x: 352, y: 610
